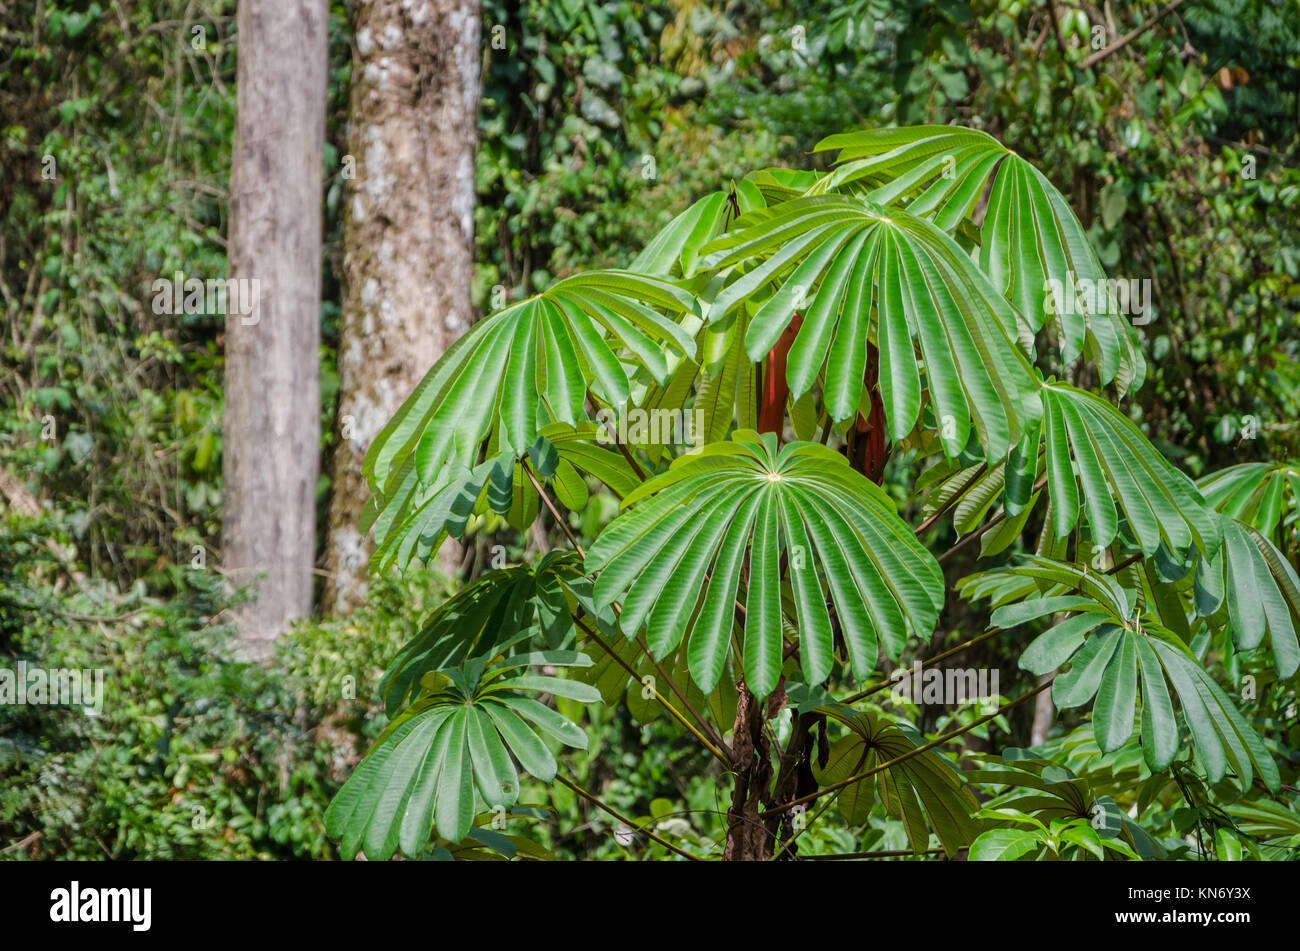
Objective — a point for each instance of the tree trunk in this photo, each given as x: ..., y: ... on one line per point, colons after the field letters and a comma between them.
x: 748, y: 838
x: 1044, y: 714
x: 271, y: 429
x: 408, y: 239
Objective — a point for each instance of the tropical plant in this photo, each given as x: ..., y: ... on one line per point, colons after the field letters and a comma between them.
x: 811, y: 328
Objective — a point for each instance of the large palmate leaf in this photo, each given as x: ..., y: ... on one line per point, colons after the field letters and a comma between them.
x: 922, y: 787
x: 509, y: 377
x: 1122, y: 660
x: 1031, y: 245
x: 1096, y: 458
x: 503, y: 484
x: 1263, y: 495
x: 1262, y: 592
x: 489, y: 613
x: 1025, y: 784
x: 675, y: 250
x: 1030, y: 784
x: 456, y: 739
x: 1277, y: 826
x: 857, y: 275
x: 674, y: 558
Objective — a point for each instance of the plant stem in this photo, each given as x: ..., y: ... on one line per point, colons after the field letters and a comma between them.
x: 640, y: 474
x: 929, y: 660
x: 952, y: 501
x: 672, y: 684
x: 826, y: 430
x: 1114, y: 569
x: 673, y: 711
x: 624, y: 819
x: 659, y: 667
x: 555, y: 513
x: 681, y: 695
x: 939, y: 741
x: 632, y: 462
x: 1128, y: 38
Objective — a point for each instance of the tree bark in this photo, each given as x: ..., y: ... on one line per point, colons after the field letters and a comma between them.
x: 408, y: 240
x: 1044, y: 714
x: 748, y: 838
x: 272, y: 424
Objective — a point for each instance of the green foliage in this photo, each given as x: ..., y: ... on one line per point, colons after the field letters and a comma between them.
x: 745, y: 501
x: 1028, y: 235
x: 1111, y: 649
x: 775, y: 558
x: 456, y: 737
x: 193, y: 754
x: 923, y: 791
x: 609, y: 129
x: 852, y: 251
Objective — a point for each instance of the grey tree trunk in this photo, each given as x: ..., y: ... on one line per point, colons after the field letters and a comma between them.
x: 272, y: 425
x: 1044, y: 714
x: 408, y: 239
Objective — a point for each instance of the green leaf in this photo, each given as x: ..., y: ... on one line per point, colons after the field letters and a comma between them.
x: 802, y: 501
x: 1079, y: 684
x: 841, y: 254
x: 485, y: 617
x: 1263, y: 594
x: 1117, y: 463
x: 1003, y: 845
x: 924, y: 790
x: 1265, y: 496
x: 509, y: 377
x: 1113, y: 711
x: 1031, y: 244
x: 1057, y: 645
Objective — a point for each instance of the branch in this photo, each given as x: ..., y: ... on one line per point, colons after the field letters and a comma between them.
x: 640, y: 474
x: 681, y: 695
x: 927, y: 661
x: 1128, y: 38
x: 837, y: 788
x: 939, y: 741
x: 21, y: 843
x: 659, y: 667
x: 623, y: 819
x: 563, y: 522
x: 673, y: 711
